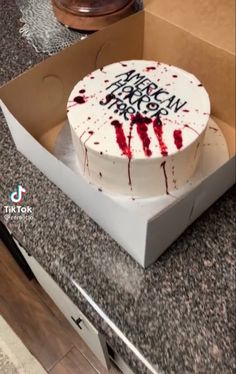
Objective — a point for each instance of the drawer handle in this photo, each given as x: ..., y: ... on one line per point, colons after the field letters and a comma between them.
x: 77, y: 321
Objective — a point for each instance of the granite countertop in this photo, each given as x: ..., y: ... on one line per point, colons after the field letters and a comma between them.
x: 179, y: 313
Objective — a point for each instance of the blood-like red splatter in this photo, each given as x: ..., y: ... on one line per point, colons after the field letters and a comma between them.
x: 142, y: 131
x: 80, y: 99
x: 175, y: 76
x: 149, y: 68
x: 86, y: 160
x: 178, y: 139
x: 121, y: 141
x: 191, y: 128
x: 77, y: 100
x: 82, y: 91
x: 129, y: 173
x: 185, y: 110
x: 163, y: 166
x: 129, y: 147
x: 158, y: 129
x: 81, y: 136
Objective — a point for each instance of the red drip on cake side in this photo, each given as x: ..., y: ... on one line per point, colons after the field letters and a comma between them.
x: 123, y: 145
x: 130, y: 157
x: 142, y: 131
x: 86, y: 160
x: 158, y: 129
x: 121, y: 139
x: 178, y: 138
x: 163, y: 166
x: 191, y: 128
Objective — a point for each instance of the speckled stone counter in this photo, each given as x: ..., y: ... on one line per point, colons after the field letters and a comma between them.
x: 180, y: 313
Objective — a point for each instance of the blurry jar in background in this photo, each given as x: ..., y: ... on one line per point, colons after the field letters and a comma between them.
x: 92, y: 7
x: 91, y: 14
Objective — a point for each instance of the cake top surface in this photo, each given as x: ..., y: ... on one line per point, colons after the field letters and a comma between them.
x: 139, y: 109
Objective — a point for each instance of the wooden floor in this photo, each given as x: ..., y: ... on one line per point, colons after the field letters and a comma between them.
x: 40, y: 325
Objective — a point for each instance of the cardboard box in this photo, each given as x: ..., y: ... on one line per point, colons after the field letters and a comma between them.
x: 195, y: 36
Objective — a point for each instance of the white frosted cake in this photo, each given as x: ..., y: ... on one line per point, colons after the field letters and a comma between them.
x: 138, y: 127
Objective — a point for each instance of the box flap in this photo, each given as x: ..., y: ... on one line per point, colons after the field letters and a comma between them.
x: 210, y: 20
x: 214, y: 67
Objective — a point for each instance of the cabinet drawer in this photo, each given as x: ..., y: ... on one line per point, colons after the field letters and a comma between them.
x: 76, y: 318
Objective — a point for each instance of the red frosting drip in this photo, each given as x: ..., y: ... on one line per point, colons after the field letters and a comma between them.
x: 80, y: 99
x: 142, y: 131
x: 178, y: 139
x: 163, y: 166
x: 86, y: 160
x: 158, y: 129
x: 189, y: 127
x: 149, y: 68
x: 121, y: 139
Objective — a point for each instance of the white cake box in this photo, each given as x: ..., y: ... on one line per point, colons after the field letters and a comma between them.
x: 34, y: 105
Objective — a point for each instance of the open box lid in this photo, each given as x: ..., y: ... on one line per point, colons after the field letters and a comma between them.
x: 210, y: 20
x: 205, y: 31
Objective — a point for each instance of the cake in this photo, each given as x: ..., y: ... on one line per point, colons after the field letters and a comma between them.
x: 138, y: 127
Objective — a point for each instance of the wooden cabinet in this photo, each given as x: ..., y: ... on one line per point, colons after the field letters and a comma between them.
x: 77, y: 319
